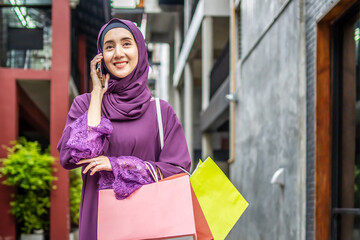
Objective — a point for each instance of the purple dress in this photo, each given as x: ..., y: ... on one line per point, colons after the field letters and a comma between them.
x: 137, y: 138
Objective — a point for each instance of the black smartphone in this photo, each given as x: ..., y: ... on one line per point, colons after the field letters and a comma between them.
x: 100, y: 74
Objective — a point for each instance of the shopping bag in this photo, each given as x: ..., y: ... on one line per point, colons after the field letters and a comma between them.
x: 203, y: 231
x: 161, y: 210
x: 202, y: 227
x: 220, y: 201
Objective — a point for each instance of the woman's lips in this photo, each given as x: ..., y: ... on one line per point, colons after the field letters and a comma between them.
x: 120, y: 64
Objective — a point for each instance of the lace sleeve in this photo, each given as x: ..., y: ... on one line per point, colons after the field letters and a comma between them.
x: 86, y: 141
x: 129, y: 174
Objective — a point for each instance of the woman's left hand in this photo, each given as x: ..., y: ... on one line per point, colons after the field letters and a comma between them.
x: 100, y: 163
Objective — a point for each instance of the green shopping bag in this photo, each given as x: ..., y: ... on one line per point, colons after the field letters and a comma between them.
x: 221, y: 202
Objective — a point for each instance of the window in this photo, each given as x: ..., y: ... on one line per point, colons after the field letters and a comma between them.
x: 25, y: 30
x: 346, y: 126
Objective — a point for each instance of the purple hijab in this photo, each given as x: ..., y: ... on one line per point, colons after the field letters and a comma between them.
x: 127, y: 98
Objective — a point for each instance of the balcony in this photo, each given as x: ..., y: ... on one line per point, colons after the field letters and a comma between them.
x: 200, y: 9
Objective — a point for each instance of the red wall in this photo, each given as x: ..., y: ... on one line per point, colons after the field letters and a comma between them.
x: 59, y: 77
x: 9, y: 131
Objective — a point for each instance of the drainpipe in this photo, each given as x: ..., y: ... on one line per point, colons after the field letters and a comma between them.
x: 232, y: 80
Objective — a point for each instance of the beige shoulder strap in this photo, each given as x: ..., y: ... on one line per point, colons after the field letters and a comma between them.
x: 159, y: 119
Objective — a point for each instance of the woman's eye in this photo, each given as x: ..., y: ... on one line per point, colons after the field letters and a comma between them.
x: 127, y: 44
x: 108, y: 47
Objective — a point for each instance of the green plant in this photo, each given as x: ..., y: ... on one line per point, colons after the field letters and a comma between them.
x: 357, y: 185
x: 29, y: 170
x: 75, y: 196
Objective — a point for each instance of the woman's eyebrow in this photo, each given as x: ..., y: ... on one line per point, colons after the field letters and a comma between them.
x: 122, y: 39
x: 109, y: 41
x: 126, y: 38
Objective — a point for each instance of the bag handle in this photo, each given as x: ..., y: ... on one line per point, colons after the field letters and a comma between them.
x: 184, y: 171
x: 152, y: 171
x: 161, y: 130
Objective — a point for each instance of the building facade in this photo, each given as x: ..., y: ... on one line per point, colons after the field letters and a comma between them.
x: 285, y: 110
x: 270, y: 120
x: 45, y: 47
x: 269, y: 89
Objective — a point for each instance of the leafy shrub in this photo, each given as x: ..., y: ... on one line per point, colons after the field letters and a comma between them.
x: 29, y: 170
x: 75, y: 196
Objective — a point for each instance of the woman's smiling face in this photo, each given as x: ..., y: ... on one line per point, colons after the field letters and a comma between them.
x: 120, y: 52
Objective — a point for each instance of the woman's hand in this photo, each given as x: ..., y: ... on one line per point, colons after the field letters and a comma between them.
x: 101, y: 163
x: 94, y: 111
x: 95, y: 77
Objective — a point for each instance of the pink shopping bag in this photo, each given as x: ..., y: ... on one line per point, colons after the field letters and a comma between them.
x: 161, y: 210
x: 202, y: 227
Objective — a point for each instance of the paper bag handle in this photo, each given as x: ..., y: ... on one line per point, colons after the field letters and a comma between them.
x: 152, y: 171
x: 184, y: 170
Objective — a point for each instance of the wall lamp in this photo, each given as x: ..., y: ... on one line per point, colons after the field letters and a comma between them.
x: 279, y: 177
x: 232, y: 97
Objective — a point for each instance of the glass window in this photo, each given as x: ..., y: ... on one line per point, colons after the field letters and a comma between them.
x: 346, y: 127
x: 28, y: 3
x: 25, y: 30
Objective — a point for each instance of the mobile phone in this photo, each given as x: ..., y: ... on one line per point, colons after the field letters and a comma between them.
x: 100, y: 74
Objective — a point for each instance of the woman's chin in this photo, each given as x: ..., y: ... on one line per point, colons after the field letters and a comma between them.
x: 120, y: 75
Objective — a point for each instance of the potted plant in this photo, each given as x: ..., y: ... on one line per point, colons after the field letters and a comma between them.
x: 29, y: 170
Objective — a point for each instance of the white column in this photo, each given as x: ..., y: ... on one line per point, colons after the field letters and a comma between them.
x: 206, y: 59
x: 175, y: 92
x: 164, y: 71
x: 207, y: 62
x: 188, y: 108
x: 177, y: 103
x: 206, y: 145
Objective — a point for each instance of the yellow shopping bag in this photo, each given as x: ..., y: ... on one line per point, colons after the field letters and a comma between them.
x: 221, y: 202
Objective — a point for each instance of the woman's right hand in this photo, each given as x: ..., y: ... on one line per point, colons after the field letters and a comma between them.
x: 96, y: 83
x: 97, y: 93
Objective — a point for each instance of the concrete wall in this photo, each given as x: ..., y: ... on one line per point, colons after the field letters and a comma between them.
x: 216, y: 7
x: 271, y: 120
x: 256, y: 15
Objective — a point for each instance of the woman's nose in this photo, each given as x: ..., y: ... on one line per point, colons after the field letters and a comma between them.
x: 119, y: 51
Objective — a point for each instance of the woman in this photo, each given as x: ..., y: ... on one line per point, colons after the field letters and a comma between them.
x: 111, y: 131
